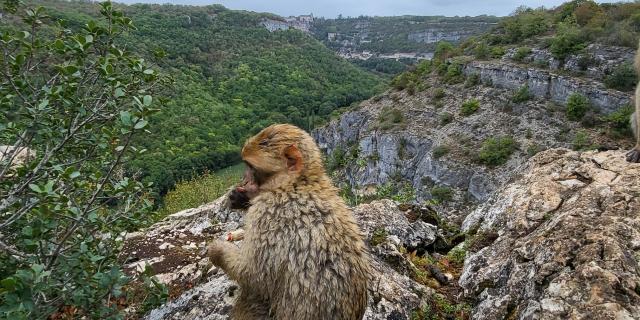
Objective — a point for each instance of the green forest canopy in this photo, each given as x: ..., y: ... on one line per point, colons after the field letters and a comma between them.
x: 232, y: 77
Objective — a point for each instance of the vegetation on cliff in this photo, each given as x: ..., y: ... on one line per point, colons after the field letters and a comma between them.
x: 231, y: 77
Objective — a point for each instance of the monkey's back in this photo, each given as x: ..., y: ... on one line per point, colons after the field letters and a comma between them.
x: 309, y: 257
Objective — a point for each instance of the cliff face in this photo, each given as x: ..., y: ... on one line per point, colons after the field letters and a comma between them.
x: 411, y: 150
x: 546, y: 84
x: 568, y: 241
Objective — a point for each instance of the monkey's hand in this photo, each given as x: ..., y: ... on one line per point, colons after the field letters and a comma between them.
x: 633, y: 156
x: 225, y: 255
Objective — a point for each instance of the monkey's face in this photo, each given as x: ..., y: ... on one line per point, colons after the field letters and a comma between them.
x: 271, y: 157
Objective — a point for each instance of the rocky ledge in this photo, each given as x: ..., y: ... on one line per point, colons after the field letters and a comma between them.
x: 175, y: 250
x: 561, y: 241
x: 568, y: 241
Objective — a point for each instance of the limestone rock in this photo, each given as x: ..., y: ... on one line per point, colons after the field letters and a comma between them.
x: 205, y: 292
x: 567, y: 245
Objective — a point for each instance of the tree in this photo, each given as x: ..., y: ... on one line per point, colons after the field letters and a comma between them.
x: 72, y: 102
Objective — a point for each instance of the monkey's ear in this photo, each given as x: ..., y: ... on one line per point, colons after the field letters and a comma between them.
x: 294, y: 158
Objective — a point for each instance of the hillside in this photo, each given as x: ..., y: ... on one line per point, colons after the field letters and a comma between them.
x: 231, y: 77
x: 388, y: 44
x: 456, y: 128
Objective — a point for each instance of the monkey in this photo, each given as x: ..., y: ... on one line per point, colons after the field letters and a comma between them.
x: 303, y: 255
x: 634, y: 154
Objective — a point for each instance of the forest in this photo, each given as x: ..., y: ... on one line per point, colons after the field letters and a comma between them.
x: 229, y: 77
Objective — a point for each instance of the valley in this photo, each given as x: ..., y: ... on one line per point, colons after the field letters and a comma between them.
x: 483, y: 157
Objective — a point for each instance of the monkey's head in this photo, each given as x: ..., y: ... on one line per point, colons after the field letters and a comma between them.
x: 278, y: 156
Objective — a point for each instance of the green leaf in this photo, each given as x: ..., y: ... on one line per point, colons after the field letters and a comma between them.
x: 119, y: 92
x: 37, y: 268
x: 125, y: 118
x: 74, y: 174
x: 148, y: 71
x: 96, y: 258
x: 146, y: 100
x: 9, y: 283
x: 35, y: 188
x: 43, y: 104
x: 141, y: 124
x: 27, y: 231
x: 119, y: 148
x: 88, y: 38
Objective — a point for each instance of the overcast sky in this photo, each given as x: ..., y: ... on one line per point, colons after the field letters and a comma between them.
x: 331, y: 8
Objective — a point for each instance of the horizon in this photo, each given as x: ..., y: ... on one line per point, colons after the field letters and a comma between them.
x: 332, y: 9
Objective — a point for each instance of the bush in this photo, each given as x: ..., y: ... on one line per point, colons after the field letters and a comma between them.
x: 581, y: 141
x: 444, y: 50
x: 521, y: 95
x: 440, y: 151
x: 623, y: 78
x: 390, y: 118
x: 472, y: 80
x: 577, y: 107
x: 497, y: 52
x: 78, y: 99
x: 446, y: 118
x: 441, y: 194
x: 482, y: 51
x: 454, y: 74
x: 496, y: 151
x: 470, y: 107
x: 568, y: 40
x: 439, y: 93
x: 521, y: 53
x: 619, y: 120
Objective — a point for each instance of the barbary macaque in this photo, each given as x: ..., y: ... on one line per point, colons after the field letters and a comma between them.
x: 303, y: 256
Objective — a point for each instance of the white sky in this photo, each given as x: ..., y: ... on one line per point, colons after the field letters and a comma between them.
x: 331, y: 8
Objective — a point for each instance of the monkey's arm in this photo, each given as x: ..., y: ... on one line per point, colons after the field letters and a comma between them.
x: 227, y: 256
x: 634, y: 154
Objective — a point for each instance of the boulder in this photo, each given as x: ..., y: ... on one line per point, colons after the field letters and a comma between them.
x: 568, y: 241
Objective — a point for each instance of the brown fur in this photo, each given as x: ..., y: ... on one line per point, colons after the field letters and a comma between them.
x: 303, y: 256
x: 634, y: 154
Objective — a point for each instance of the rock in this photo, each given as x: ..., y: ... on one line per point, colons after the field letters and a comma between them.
x: 205, y: 292
x: 567, y: 245
x: 548, y: 85
x: 385, y: 215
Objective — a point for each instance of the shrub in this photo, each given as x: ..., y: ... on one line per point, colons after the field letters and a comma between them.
x: 623, y: 78
x: 470, y: 107
x: 446, y: 118
x: 472, y: 80
x: 77, y: 98
x: 390, y: 118
x: 482, y: 51
x: 521, y: 53
x: 454, y: 74
x: 577, y: 107
x: 441, y: 194
x: 440, y: 151
x: 438, y: 93
x: 521, y: 95
x: 619, y: 120
x: 568, y: 40
x: 496, y: 151
x: 581, y: 141
x: 444, y: 50
x: 497, y: 52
